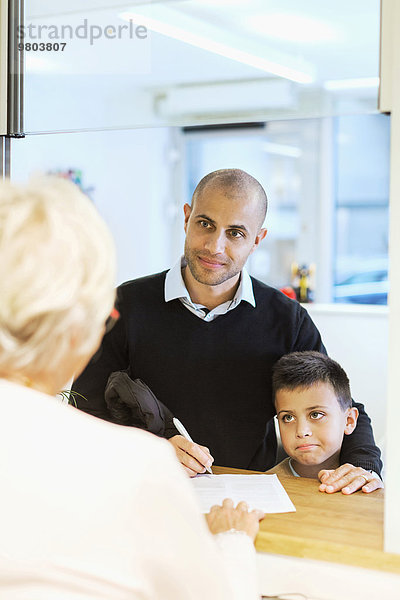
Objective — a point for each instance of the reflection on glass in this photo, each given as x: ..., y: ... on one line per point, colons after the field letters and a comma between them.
x: 196, y: 61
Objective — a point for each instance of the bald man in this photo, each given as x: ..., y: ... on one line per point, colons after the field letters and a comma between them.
x: 204, y: 337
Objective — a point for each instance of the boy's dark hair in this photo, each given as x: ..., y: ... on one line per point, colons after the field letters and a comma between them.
x: 304, y: 369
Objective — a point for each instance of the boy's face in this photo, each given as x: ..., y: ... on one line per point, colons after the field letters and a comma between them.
x: 312, y: 423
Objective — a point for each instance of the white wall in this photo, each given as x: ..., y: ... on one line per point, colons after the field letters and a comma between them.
x: 130, y: 173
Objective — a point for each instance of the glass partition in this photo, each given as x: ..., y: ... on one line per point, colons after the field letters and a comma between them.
x: 98, y: 64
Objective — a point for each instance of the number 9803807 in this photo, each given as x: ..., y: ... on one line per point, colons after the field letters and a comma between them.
x: 42, y: 47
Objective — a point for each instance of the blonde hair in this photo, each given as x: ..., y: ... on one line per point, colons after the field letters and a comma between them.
x: 57, y: 270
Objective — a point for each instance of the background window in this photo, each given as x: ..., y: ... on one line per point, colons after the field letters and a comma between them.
x: 362, y: 208
x: 327, y: 182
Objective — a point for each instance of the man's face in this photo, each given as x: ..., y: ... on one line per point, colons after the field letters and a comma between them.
x: 222, y: 229
x: 312, y: 423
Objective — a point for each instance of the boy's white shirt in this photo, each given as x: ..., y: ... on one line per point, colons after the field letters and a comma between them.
x: 297, y: 475
x: 292, y: 468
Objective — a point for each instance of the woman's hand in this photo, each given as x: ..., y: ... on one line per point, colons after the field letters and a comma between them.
x: 226, y: 517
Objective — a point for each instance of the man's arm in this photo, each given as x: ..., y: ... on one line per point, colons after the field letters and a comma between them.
x: 359, y: 456
x: 193, y: 457
x: 359, y: 448
x: 348, y: 479
x: 308, y: 337
x: 111, y: 356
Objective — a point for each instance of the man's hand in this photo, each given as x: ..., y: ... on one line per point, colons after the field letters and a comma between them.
x: 226, y: 517
x: 193, y: 457
x: 348, y: 479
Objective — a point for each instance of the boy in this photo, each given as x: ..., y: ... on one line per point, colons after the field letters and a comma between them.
x: 314, y: 410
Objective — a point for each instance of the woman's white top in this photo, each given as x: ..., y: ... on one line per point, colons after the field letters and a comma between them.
x: 91, y: 510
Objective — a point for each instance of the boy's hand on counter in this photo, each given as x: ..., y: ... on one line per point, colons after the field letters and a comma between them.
x: 348, y: 479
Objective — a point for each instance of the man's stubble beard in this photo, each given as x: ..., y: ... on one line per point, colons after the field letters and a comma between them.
x: 208, y: 278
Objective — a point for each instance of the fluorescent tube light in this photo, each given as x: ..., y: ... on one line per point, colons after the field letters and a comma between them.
x: 210, y: 45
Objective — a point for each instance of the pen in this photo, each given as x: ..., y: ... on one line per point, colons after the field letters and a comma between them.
x: 185, y: 434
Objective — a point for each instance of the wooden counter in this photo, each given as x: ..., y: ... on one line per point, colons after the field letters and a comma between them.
x: 332, y: 527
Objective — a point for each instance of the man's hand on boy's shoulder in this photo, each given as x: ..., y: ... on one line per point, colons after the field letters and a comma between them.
x: 348, y: 479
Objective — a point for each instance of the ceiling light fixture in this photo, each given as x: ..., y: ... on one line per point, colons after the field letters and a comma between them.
x: 282, y: 149
x: 351, y: 84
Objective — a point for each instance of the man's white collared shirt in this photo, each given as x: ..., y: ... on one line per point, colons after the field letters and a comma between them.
x: 175, y: 288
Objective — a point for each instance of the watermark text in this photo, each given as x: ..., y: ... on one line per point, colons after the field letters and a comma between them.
x: 84, y: 31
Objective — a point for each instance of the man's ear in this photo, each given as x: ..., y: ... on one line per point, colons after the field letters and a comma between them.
x: 187, y: 210
x: 259, y: 238
x: 351, y: 420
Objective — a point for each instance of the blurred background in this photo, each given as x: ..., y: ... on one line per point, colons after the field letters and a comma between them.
x: 286, y: 90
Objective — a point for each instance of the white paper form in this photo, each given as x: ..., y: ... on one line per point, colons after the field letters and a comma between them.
x: 264, y: 492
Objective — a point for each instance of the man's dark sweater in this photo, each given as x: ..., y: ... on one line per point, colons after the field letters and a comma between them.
x: 214, y: 376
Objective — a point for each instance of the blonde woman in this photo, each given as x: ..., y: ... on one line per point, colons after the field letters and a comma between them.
x: 88, y: 509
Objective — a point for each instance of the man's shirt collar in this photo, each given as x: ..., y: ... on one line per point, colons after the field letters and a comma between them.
x: 175, y: 287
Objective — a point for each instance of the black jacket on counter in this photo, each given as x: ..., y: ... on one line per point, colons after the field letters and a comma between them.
x: 214, y: 376
x: 132, y: 403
